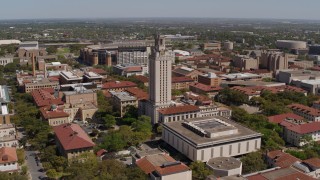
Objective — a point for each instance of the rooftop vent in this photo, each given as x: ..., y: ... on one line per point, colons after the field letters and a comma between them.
x: 168, y: 164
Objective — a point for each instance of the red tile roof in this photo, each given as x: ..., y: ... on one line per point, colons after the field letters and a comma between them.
x: 302, y: 128
x: 138, y: 93
x: 101, y: 152
x: 178, y: 109
x: 44, y: 97
x: 149, y: 164
x: 8, y: 154
x: 246, y: 91
x: 133, y: 69
x: 281, y: 117
x: 181, y: 79
x: 118, y: 84
x: 280, y: 174
x: 305, y: 109
x: 47, y: 113
x: 282, y: 159
x: 204, y: 87
x: 98, y: 71
x: 72, y: 136
x: 315, y: 162
x: 143, y: 79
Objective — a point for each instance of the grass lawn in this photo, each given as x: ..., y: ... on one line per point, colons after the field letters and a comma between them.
x: 62, y: 51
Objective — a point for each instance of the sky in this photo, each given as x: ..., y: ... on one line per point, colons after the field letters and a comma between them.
x: 267, y: 9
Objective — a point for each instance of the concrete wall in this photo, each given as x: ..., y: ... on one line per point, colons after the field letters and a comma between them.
x: 204, y: 154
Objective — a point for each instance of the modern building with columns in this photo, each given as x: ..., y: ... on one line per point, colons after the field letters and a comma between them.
x: 210, y: 137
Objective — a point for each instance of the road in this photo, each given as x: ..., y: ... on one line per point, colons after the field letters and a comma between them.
x: 32, y: 165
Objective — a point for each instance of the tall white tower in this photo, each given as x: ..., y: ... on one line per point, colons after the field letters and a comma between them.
x: 160, y: 63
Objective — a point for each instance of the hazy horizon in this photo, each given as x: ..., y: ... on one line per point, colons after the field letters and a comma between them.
x: 100, y: 9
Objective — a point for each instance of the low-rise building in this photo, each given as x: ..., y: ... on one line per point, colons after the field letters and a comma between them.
x: 118, y: 85
x: 210, y: 79
x: 138, y: 93
x: 295, y: 131
x: 186, y: 72
x: 278, y: 158
x: 45, y: 97
x: 163, y: 166
x: 28, y: 83
x: 181, y: 82
x: 204, y: 89
x: 92, y: 77
x: 8, y: 136
x: 6, y: 60
x: 72, y: 141
x: 278, y: 174
x: 178, y: 113
x: 54, y: 115
x: 68, y: 77
x: 210, y: 137
x: 121, y: 101
x: 245, y: 62
x: 8, y: 160
x: 277, y: 119
x: 143, y: 79
x: 248, y: 92
x: 241, y: 76
x: 130, y: 70
x: 225, y: 166
x: 309, y: 113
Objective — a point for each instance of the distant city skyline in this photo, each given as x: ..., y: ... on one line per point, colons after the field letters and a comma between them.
x: 271, y: 9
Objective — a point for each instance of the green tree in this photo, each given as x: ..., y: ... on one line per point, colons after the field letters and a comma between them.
x: 252, y: 162
x: 52, y: 173
x: 109, y: 121
x: 199, y: 170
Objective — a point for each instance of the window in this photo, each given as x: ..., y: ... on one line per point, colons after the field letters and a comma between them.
x: 247, y: 146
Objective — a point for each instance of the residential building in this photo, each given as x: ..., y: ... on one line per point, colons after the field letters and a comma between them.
x: 210, y: 137
x: 210, y: 79
x: 181, y: 82
x: 294, y: 131
x: 164, y: 167
x: 118, y: 85
x: 225, y: 166
x: 121, y: 101
x: 72, y: 141
x: 245, y: 62
x: 159, y: 79
x: 8, y: 160
x: 6, y: 60
x: 309, y: 113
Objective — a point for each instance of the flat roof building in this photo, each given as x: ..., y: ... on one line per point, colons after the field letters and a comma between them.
x: 210, y: 137
x: 122, y: 100
x: 225, y: 166
x: 68, y: 77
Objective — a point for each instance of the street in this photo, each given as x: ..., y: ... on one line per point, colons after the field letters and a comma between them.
x: 32, y: 165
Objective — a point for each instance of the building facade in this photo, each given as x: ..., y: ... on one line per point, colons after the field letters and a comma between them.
x: 210, y: 137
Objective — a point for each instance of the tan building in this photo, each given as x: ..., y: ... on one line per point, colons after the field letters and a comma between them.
x: 69, y: 77
x: 309, y: 113
x: 181, y: 82
x: 204, y: 89
x: 245, y: 62
x: 225, y: 166
x: 210, y: 137
x: 178, y: 113
x: 210, y: 79
x: 28, y: 84
x: 121, y: 101
x: 118, y: 85
x: 164, y: 167
x: 273, y: 61
x: 73, y: 97
x: 72, y: 141
x: 212, y: 46
x: 159, y: 79
x: 95, y: 56
x: 54, y: 115
x: 301, y: 63
x: 186, y: 72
